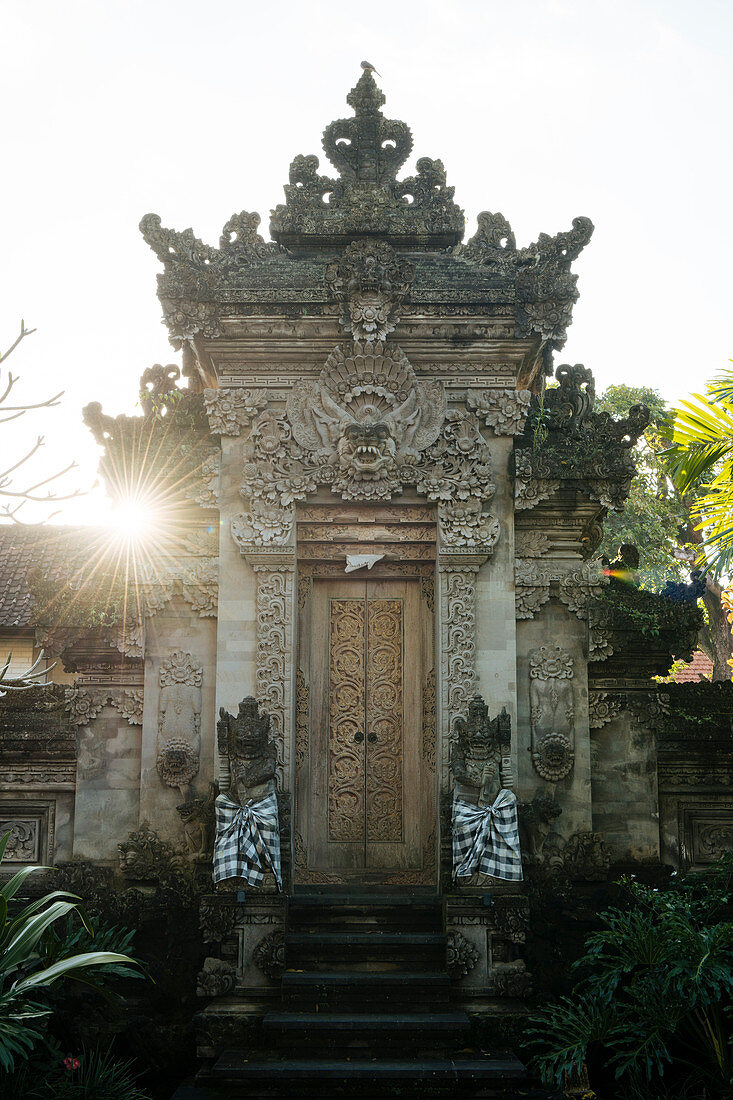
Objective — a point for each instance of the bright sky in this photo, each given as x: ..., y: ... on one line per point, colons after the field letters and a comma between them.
x: 540, y: 109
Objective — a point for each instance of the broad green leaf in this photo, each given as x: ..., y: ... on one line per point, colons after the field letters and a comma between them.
x: 77, y: 962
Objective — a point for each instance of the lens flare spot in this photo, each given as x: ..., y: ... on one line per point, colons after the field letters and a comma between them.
x: 133, y: 520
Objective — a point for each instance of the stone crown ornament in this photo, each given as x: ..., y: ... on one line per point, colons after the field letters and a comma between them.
x: 368, y: 150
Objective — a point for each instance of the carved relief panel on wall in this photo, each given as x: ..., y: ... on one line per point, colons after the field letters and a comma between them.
x: 178, y: 747
x: 552, y: 712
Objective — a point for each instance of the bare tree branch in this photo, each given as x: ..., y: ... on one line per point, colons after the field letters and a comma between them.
x: 8, y: 490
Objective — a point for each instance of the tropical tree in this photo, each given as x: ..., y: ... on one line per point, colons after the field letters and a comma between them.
x: 656, y: 517
x: 701, y: 451
x: 659, y: 519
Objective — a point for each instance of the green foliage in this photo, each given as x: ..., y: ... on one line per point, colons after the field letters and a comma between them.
x: 24, y: 971
x: 92, y: 1075
x: 68, y: 938
x: 655, y: 516
x: 647, y: 613
x: 702, y: 450
x: 653, y: 993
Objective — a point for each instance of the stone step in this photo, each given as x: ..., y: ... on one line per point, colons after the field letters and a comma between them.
x: 487, y: 1078
x: 359, y: 991
x: 364, y: 912
x: 375, y: 950
x: 371, y: 1033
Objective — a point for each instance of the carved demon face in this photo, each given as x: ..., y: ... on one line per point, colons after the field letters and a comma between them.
x: 251, y: 729
x: 367, y: 449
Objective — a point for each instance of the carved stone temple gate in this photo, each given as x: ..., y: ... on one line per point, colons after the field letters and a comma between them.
x: 388, y: 549
x: 383, y: 588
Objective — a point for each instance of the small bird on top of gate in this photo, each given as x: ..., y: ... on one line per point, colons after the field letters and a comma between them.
x: 369, y: 68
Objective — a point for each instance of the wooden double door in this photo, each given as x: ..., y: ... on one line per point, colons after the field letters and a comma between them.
x: 364, y: 782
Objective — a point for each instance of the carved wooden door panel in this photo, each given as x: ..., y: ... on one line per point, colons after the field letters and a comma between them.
x: 364, y: 801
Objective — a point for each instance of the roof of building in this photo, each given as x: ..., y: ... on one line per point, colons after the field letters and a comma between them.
x: 23, y: 549
x: 699, y: 668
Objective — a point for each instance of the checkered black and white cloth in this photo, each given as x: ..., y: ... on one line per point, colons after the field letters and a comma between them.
x: 247, y: 840
x: 486, y: 838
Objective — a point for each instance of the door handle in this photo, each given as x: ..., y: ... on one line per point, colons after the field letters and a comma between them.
x: 358, y: 737
x: 371, y: 737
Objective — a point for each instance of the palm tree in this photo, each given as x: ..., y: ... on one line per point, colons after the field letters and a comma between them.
x: 701, y: 453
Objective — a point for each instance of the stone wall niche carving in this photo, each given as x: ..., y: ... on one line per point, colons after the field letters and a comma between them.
x: 178, y: 747
x: 480, y: 757
x: 244, y: 743
x: 552, y: 712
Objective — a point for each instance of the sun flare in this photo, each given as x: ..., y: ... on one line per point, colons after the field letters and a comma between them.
x: 133, y: 520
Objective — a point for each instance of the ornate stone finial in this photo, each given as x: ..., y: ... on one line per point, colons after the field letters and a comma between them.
x: 545, y: 286
x: 368, y: 150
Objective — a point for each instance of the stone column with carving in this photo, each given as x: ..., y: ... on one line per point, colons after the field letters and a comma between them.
x: 275, y: 573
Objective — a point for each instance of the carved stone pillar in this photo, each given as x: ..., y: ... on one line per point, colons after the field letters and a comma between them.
x: 459, y: 680
x: 275, y: 572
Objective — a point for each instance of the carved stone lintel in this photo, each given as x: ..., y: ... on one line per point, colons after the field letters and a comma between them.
x: 577, y: 586
x: 85, y: 705
x: 362, y: 427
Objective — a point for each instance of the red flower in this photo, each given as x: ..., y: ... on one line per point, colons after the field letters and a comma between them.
x: 72, y: 1063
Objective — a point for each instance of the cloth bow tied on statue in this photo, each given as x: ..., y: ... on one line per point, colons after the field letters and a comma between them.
x: 247, y: 840
x: 486, y: 839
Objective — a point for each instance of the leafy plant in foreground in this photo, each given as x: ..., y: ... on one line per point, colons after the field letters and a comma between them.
x: 24, y: 975
x: 654, y: 992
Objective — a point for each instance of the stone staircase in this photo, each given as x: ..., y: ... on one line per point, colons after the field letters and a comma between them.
x: 365, y: 1011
